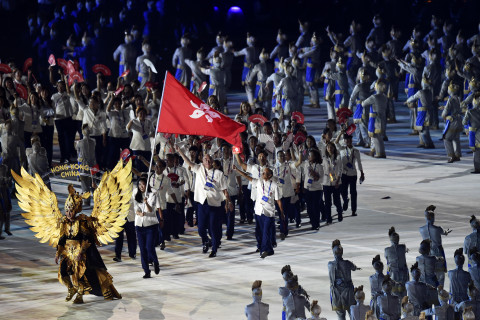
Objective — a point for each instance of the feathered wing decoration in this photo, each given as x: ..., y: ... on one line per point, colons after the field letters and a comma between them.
x: 40, y: 205
x: 112, y: 202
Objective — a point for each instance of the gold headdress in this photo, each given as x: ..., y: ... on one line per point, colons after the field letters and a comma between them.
x: 74, y: 200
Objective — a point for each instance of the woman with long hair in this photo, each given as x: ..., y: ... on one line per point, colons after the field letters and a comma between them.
x: 146, y: 224
x: 332, y: 169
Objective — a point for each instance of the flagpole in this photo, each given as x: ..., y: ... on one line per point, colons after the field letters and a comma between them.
x: 155, y: 137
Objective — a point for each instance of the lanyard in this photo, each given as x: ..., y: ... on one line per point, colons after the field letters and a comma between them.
x: 206, y: 176
x: 353, y: 154
x: 314, y: 167
x: 229, y: 167
x: 174, y: 170
x: 263, y: 188
x: 284, y: 171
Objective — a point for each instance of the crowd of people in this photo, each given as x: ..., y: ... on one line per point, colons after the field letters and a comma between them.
x: 98, y: 119
x: 394, y: 295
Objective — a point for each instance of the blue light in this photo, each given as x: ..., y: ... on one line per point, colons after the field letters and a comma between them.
x: 235, y: 9
x: 215, y: 9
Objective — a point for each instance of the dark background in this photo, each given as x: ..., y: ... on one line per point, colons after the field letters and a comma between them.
x: 203, y: 19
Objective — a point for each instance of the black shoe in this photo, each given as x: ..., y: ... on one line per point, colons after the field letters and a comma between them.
x: 315, y: 228
x: 117, y: 259
x: 476, y: 171
x: 282, y: 236
x: 168, y: 239
x: 274, y: 245
x: 354, y: 214
x: 212, y: 254
x: 133, y: 257
x: 205, y: 248
x: 146, y: 276
x: 2, y: 238
x: 242, y: 221
x: 8, y: 232
x: 176, y: 237
x: 162, y: 246
x: 229, y: 238
x: 264, y: 255
x: 250, y: 221
x: 258, y: 250
x: 298, y: 225
x: 345, y: 205
x: 157, y: 269
x: 209, y: 243
x: 292, y: 220
x: 340, y: 218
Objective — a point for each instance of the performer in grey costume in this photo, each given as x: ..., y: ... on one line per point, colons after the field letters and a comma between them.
x: 419, y: 292
x: 295, y: 298
x: 198, y: 77
x: 260, y: 73
x: 459, y: 279
x: 377, y: 103
x: 359, y: 310
x: 316, y: 310
x: 474, y: 269
x: 376, y: 281
x: 427, y: 264
x: 126, y: 55
x: 218, y: 80
x: 388, y: 303
x: 313, y: 55
x: 287, y: 90
x: 424, y: 113
x: 182, y: 73
x: 142, y: 69
x: 472, y: 119
x: 452, y: 115
x: 472, y: 241
x: 434, y: 234
x: 444, y: 311
x: 473, y: 301
x: 396, y: 263
x: 220, y: 38
x: 257, y: 310
x: 360, y: 92
x: 341, y: 285
x: 250, y: 54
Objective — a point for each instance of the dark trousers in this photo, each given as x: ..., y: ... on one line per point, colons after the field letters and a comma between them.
x: 314, y: 207
x: 46, y: 139
x: 191, y: 211
x: 231, y: 218
x: 349, y: 181
x: 246, y: 206
x: 99, y: 150
x: 210, y: 218
x: 146, y: 241
x: 65, y: 131
x: 129, y: 228
x: 139, y: 164
x: 160, y: 238
x: 267, y: 227
x: 329, y: 192
x: 77, y: 124
x: 169, y: 219
x: 287, y: 211
x: 114, y: 147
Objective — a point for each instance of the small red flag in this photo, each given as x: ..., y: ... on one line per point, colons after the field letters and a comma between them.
x: 94, y: 169
x: 182, y: 112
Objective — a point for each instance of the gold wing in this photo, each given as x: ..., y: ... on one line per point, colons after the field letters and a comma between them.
x: 40, y: 205
x: 112, y: 202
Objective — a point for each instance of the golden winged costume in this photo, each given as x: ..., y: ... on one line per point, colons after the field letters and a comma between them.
x: 81, y: 268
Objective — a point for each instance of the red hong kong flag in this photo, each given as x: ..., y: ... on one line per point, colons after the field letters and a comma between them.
x: 183, y: 113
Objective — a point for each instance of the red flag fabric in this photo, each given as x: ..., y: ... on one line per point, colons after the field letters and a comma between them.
x: 182, y: 112
x: 94, y: 169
